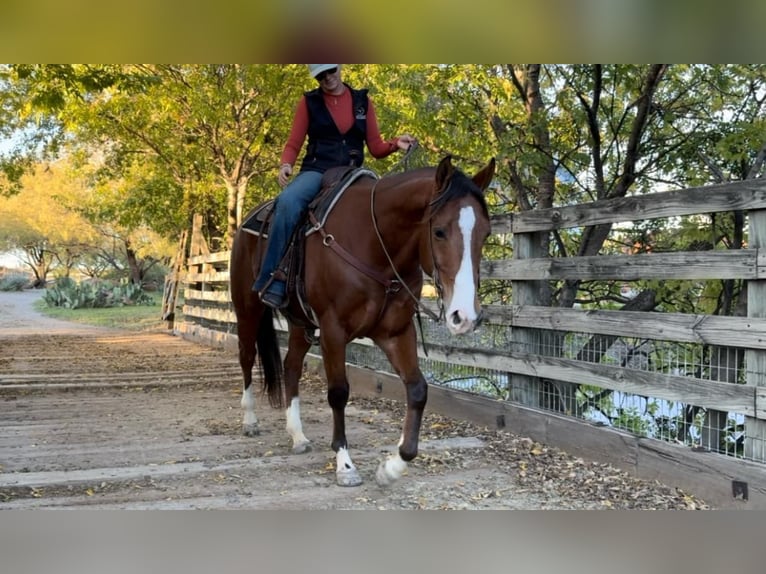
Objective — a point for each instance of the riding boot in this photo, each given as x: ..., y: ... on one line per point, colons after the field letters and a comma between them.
x: 275, y: 294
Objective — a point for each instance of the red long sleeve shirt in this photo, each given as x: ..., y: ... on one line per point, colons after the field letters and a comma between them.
x: 341, y: 110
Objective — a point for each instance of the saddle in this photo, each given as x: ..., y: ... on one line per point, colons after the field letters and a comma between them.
x: 335, y: 181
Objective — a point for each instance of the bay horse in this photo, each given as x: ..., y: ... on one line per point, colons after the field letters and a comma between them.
x: 391, y: 230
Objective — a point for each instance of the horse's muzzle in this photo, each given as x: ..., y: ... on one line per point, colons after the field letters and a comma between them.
x: 459, y: 324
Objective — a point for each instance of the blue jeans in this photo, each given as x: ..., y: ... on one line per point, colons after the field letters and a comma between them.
x: 291, y: 204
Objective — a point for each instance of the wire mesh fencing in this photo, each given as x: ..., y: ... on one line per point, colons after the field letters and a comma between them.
x: 672, y: 421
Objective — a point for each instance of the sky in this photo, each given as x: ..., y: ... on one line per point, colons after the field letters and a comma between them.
x: 9, y: 260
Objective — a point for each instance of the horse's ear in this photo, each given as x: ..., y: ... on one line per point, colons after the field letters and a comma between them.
x: 444, y: 172
x: 484, y: 177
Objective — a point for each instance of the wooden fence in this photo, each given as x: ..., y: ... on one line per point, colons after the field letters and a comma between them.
x: 738, y: 481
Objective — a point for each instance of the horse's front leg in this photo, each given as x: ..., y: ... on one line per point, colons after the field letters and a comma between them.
x: 297, y: 348
x: 402, y: 353
x: 334, y: 358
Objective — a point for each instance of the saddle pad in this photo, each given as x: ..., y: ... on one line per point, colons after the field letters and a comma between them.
x: 257, y: 220
x: 324, y: 203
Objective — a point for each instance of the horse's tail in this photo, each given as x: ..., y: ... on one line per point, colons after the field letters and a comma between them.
x: 271, y: 359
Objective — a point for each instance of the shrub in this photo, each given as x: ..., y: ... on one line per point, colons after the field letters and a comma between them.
x: 14, y: 282
x: 94, y: 294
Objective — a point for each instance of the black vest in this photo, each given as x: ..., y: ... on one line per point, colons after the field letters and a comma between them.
x: 328, y: 147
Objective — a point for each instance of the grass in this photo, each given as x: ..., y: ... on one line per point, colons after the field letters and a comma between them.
x: 132, y: 317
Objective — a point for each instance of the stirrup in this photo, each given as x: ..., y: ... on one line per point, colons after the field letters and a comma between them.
x: 310, y: 336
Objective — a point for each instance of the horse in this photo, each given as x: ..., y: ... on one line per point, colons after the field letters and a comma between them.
x: 363, y: 275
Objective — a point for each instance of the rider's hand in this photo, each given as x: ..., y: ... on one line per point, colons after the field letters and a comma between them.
x: 405, y: 142
x: 285, y: 171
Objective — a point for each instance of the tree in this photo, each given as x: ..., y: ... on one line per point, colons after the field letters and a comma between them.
x: 177, y: 132
x: 569, y: 134
x: 36, y: 222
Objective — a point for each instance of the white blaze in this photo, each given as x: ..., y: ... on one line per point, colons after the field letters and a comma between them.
x: 464, y: 293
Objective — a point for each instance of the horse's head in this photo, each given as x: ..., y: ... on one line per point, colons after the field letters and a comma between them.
x: 458, y: 226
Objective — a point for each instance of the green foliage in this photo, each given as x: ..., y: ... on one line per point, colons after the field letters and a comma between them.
x: 14, y: 282
x: 94, y: 294
x: 131, y: 317
x: 185, y: 139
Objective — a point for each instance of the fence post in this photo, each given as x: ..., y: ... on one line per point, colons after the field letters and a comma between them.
x: 173, y: 282
x: 525, y: 389
x: 755, y: 360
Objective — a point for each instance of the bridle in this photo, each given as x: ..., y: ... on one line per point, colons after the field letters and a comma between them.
x: 437, y: 282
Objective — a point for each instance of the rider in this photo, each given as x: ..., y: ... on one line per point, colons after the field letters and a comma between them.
x: 338, y: 120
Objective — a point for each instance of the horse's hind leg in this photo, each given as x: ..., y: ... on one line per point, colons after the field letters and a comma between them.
x: 246, y: 331
x: 297, y: 348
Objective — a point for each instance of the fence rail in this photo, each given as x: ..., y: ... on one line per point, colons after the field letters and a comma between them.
x: 723, y: 381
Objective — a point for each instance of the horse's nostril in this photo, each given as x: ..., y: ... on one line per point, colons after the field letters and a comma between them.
x: 456, y: 318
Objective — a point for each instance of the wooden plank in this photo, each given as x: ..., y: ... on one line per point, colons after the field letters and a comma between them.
x: 712, y: 477
x: 198, y: 244
x: 755, y: 359
x: 732, y: 264
x: 173, y: 281
x: 746, y: 332
x: 209, y: 277
x: 210, y: 296
x: 222, y: 315
x: 700, y: 392
x: 204, y: 336
x: 217, y: 257
x: 526, y: 389
x: 738, y: 195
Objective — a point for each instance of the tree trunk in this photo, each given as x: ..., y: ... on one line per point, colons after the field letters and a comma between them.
x: 134, y: 268
x: 594, y: 237
x: 38, y: 261
x: 232, y: 212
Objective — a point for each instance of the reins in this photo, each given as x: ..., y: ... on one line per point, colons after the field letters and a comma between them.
x: 435, y: 273
x: 418, y: 304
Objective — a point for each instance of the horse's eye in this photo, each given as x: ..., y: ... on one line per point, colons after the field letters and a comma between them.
x: 439, y: 233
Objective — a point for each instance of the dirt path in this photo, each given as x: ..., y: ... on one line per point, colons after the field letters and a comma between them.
x: 93, y: 417
x: 18, y: 317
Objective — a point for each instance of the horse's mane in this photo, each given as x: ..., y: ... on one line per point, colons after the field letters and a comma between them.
x: 460, y: 185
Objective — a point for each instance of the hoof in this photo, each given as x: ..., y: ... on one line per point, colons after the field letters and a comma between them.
x: 251, y: 430
x: 302, y: 447
x: 390, y: 470
x: 382, y: 477
x: 348, y: 477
